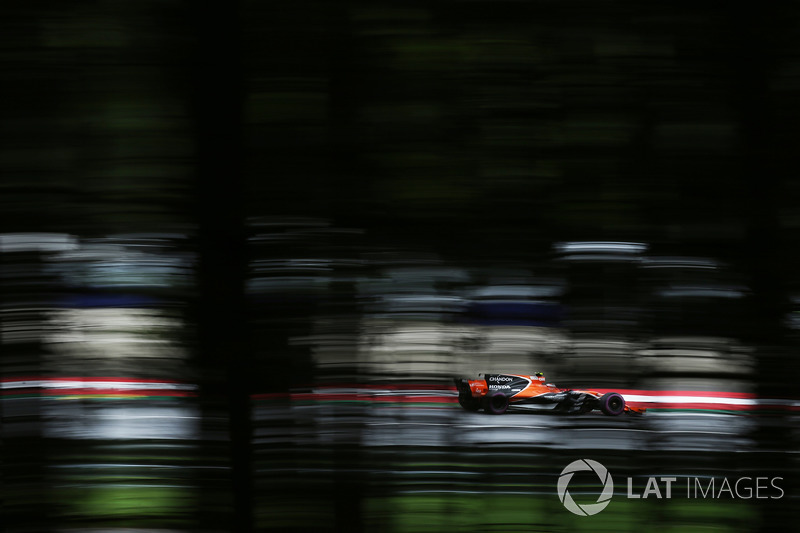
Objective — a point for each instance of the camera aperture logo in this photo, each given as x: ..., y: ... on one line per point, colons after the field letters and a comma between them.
x: 587, y: 509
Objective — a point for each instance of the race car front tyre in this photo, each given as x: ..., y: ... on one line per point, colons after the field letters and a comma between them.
x: 497, y: 403
x: 468, y: 402
x: 612, y: 404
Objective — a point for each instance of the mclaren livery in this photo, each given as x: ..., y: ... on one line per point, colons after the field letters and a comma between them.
x: 495, y: 393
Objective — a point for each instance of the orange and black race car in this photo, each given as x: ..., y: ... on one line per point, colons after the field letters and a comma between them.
x: 495, y: 393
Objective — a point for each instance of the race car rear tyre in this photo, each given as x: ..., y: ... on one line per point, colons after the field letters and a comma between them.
x: 497, y: 403
x: 612, y: 404
x: 468, y: 402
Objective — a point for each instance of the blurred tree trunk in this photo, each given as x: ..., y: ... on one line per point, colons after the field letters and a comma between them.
x: 759, y: 34
x: 223, y: 349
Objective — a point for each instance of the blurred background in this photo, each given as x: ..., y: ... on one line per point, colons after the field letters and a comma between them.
x: 245, y: 247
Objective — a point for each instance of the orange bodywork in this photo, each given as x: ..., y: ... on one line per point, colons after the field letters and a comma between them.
x: 536, y: 387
